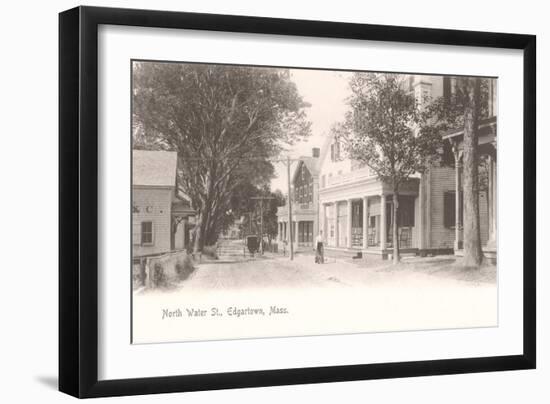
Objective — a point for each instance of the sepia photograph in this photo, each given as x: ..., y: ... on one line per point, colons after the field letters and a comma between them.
x: 288, y: 201
x: 283, y: 201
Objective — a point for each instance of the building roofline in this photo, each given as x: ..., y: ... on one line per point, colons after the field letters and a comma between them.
x: 483, y: 123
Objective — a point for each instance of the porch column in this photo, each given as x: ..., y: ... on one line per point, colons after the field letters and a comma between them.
x: 421, y: 211
x: 184, y: 225
x: 492, y: 195
x: 296, y: 232
x: 326, y: 230
x: 321, y: 219
x: 349, y: 229
x: 383, y: 236
x: 458, y: 187
x: 336, y: 226
x: 365, y: 221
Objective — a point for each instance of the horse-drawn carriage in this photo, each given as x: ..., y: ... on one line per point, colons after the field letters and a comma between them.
x: 252, y: 243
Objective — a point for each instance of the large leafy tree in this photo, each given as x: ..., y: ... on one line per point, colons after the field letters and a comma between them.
x: 252, y: 178
x: 463, y: 108
x: 225, y: 122
x: 384, y: 130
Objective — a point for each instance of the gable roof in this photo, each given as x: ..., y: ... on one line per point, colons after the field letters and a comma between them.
x: 154, y: 168
x: 311, y: 163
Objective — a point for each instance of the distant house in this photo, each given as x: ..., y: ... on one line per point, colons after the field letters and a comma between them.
x: 161, y: 217
x: 305, y: 204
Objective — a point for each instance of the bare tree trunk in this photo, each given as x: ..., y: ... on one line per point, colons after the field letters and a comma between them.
x: 396, y: 256
x: 197, y: 235
x: 473, y: 255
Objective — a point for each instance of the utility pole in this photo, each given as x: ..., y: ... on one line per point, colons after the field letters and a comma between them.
x: 290, y: 227
x: 261, y: 199
x: 249, y: 222
x: 289, y: 161
x: 261, y: 227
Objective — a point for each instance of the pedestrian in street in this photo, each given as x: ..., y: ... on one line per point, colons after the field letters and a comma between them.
x: 319, y: 251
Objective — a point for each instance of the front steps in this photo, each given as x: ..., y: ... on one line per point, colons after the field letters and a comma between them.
x: 231, y: 250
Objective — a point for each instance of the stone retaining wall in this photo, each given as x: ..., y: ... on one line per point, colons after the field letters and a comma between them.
x: 168, y: 264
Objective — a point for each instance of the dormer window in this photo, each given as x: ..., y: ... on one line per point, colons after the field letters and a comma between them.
x: 335, y: 150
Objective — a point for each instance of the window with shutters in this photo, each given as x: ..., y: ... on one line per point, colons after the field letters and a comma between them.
x: 146, y: 233
x: 335, y: 150
x: 449, y: 204
x: 406, y: 211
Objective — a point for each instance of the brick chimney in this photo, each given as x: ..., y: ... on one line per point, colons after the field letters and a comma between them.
x: 316, y: 152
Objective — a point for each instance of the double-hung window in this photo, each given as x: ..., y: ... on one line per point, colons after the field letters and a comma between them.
x: 146, y: 233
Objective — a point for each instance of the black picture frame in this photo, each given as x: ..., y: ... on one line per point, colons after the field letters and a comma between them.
x: 78, y: 201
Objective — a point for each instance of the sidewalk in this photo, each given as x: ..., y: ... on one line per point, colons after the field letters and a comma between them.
x: 358, y: 271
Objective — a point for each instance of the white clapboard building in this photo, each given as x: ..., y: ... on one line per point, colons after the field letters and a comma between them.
x: 161, y: 217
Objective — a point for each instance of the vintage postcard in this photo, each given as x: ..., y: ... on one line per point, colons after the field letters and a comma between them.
x: 276, y: 202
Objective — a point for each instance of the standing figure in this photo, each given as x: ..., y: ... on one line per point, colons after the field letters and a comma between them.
x: 319, y: 250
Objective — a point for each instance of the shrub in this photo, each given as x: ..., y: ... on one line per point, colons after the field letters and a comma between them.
x: 185, y: 268
x: 210, y: 251
x: 137, y: 277
x: 159, y: 277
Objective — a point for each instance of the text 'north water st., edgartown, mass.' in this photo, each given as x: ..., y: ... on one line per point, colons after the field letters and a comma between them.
x: 231, y: 311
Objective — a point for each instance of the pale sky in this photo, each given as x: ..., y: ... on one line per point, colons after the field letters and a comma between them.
x: 326, y: 91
